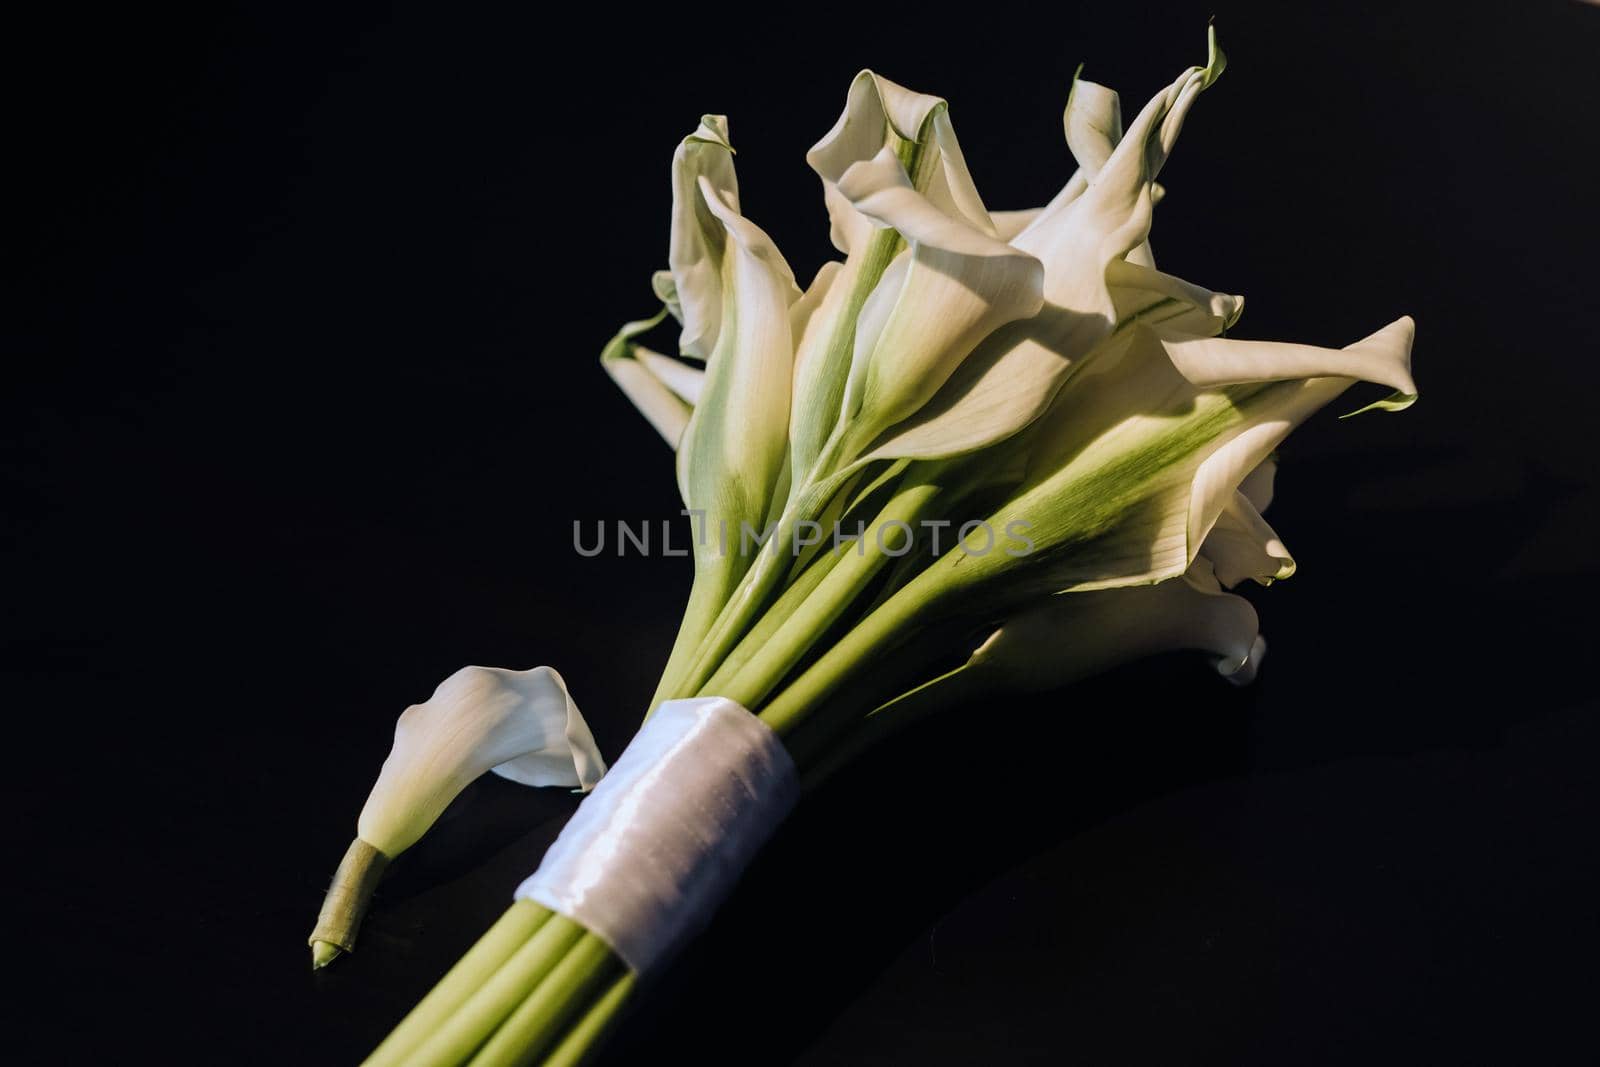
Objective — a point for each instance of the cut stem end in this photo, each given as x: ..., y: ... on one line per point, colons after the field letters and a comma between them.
x: 324, y: 953
x: 348, y: 896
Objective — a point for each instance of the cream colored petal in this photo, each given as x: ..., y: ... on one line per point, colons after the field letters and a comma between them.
x: 822, y: 354
x: 695, y: 252
x: 1093, y: 124
x: 1077, y: 238
x: 1216, y: 480
x: 951, y: 188
x: 1242, y: 546
x: 1011, y: 377
x: 848, y: 229
x: 1072, y: 636
x: 1258, y: 485
x: 1135, y: 466
x: 952, y: 288
x: 1157, y: 299
x: 1273, y: 410
x: 879, y: 113
x: 638, y: 377
x: 802, y: 310
x: 1007, y: 381
x: 521, y: 724
x: 684, y: 380
x: 666, y: 291
x: 663, y: 409
x: 1384, y: 357
x: 1007, y: 224
x: 882, y: 123
x: 735, y: 446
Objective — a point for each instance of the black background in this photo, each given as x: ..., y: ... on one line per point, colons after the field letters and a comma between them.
x: 301, y: 402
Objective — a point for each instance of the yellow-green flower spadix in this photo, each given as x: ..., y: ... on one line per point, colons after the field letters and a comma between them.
x: 521, y: 725
x: 1046, y: 456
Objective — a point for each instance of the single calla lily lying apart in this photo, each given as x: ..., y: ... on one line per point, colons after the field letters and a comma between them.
x: 521, y: 725
x: 979, y: 453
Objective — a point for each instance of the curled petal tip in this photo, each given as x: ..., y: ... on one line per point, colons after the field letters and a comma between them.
x: 1396, y: 401
x: 1216, y: 60
x: 1244, y: 672
x: 713, y: 129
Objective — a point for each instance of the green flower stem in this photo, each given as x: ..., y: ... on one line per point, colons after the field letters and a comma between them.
x: 720, y: 611
x: 714, y: 583
x: 835, y: 356
x: 465, y: 1029
x: 754, y: 592
x: 811, y: 712
x: 828, y: 603
x: 566, y: 991
x: 800, y: 585
x: 964, y: 684
x: 786, y: 605
x: 509, y: 933
x: 586, y: 1035
x: 523, y: 999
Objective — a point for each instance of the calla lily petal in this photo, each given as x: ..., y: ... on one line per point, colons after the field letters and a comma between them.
x: 1007, y: 224
x: 736, y: 443
x: 879, y: 113
x: 695, y: 251
x: 981, y: 395
x: 1011, y: 378
x: 1241, y: 545
x: 1136, y: 464
x: 804, y: 309
x: 664, y: 389
x: 1075, y: 238
x: 656, y: 385
x: 1073, y: 636
x: 1258, y: 485
x: 953, y: 287
x: 823, y: 341
x: 1157, y: 299
x: 666, y: 290
x: 521, y: 724
x: 684, y: 381
x: 1208, y: 362
x: 882, y: 125
x: 1093, y: 124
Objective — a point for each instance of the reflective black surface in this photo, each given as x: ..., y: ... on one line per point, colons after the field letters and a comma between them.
x: 303, y: 401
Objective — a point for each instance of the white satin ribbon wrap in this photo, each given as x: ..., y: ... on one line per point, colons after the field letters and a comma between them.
x: 658, y: 845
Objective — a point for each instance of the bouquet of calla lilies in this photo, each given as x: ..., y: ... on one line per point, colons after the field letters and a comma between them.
x: 983, y: 452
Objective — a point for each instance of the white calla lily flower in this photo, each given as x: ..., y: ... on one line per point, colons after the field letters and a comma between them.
x: 739, y: 305
x: 522, y: 725
x: 695, y: 253
x: 1095, y: 439
x: 892, y: 150
x: 1134, y: 465
x: 1076, y: 636
x: 1101, y: 216
x: 735, y: 292
x: 952, y: 287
